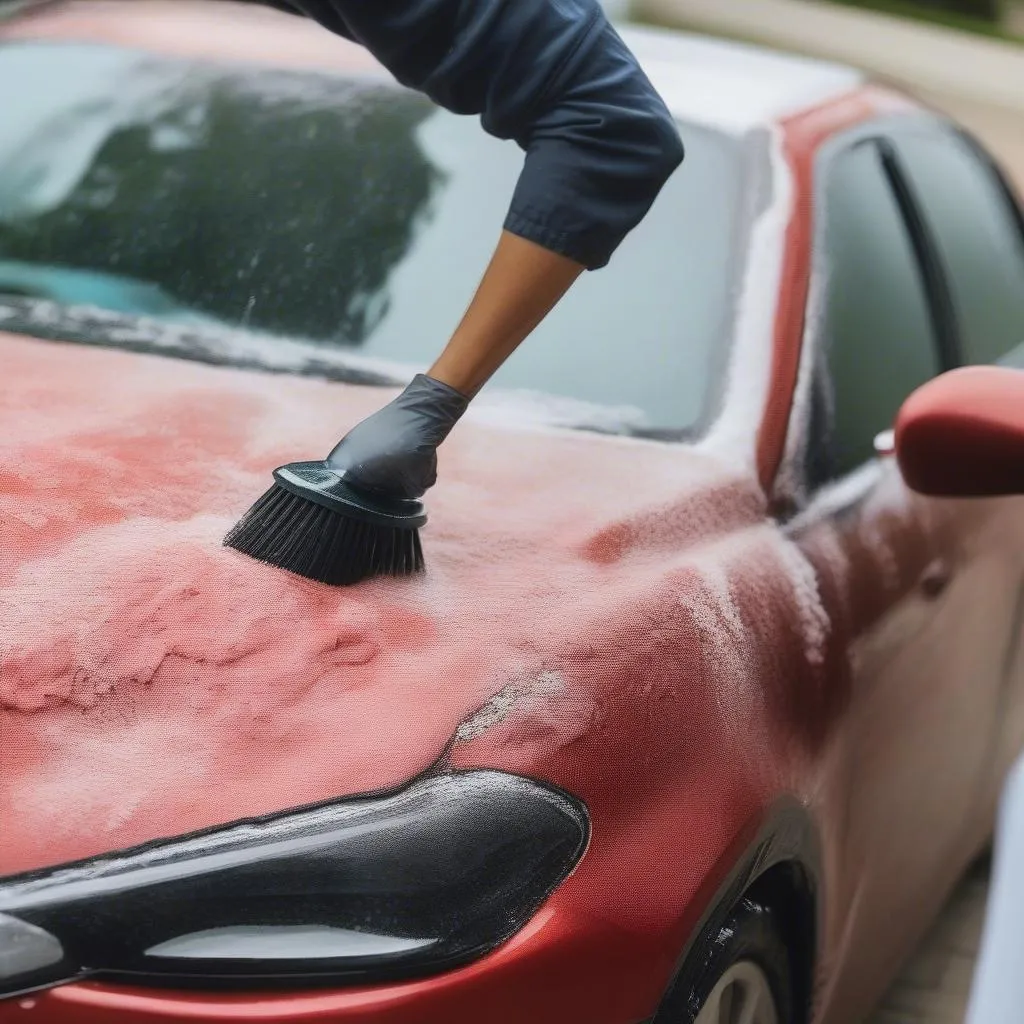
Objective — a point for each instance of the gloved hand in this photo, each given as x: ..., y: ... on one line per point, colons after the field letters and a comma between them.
x: 394, y: 451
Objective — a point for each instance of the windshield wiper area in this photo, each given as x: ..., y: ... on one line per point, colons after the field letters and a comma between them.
x: 213, y: 344
x: 219, y: 345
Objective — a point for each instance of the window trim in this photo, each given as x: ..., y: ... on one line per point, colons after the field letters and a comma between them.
x: 934, y: 275
x: 790, y: 493
x: 985, y: 159
x: 949, y: 131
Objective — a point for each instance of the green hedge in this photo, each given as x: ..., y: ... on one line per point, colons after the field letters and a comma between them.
x: 989, y: 10
x: 980, y: 16
x: 985, y: 10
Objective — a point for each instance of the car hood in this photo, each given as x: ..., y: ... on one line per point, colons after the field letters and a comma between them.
x: 153, y: 683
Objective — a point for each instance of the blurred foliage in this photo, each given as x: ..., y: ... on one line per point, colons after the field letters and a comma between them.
x: 987, y: 10
x: 274, y: 200
x: 983, y: 17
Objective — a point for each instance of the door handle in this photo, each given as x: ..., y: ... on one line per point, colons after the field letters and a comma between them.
x: 936, y: 577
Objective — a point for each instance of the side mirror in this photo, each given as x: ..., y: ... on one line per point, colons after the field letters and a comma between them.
x: 962, y: 434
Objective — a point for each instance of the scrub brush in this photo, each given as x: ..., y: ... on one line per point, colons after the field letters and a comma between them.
x: 358, y: 513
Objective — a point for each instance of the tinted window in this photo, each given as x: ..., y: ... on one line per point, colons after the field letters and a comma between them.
x: 342, y: 212
x: 878, y: 338
x: 980, y: 240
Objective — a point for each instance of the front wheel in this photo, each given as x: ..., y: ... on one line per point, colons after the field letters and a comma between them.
x: 746, y: 976
x: 743, y: 995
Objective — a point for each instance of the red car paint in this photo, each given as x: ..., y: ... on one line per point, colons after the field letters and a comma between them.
x: 662, y: 649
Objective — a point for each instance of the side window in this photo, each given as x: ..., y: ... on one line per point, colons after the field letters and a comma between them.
x: 877, y: 337
x: 979, y: 237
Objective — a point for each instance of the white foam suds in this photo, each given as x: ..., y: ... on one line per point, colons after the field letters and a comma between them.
x: 718, y: 589
x: 522, y: 408
x: 790, y: 483
x: 735, y: 432
x: 839, y: 496
x: 814, y: 621
x: 108, y: 752
x: 503, y: 703
x: 208, y: 339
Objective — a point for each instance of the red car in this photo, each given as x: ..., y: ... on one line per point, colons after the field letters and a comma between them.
x: 962, y: 436
x: 697, y: 714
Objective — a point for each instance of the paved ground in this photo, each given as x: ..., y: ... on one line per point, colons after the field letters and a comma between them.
x: 934, y: 986
x: 1015, y: 17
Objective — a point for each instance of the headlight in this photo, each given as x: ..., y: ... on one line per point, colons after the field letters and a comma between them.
x: 363, y: 889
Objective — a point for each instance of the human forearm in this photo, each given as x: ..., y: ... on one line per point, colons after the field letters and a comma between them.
x: 519, y: 288
x: 393, y: 452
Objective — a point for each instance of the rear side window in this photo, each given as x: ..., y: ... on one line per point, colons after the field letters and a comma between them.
x: 979, y: 237
x: 878, y: 336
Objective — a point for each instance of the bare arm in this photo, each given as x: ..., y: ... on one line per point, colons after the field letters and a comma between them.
x: 393, y: 452
x: 521, y: 285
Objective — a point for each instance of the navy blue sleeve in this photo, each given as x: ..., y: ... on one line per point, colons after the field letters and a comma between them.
x: 554, y: 76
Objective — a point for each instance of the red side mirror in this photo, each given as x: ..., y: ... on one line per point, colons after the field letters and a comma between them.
x: 962, y: 434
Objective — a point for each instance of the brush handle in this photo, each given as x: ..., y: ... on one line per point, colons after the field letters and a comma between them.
x: 394, y: 451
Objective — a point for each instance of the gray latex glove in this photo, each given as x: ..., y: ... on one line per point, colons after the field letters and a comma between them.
x: 394, y: 451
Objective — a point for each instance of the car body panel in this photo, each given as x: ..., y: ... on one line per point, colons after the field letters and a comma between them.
x: 478, y: 650
x: 909, y: 780
x: 961, y: 435
x: 129, y: 478
x: 621, y: 618
x: 923, y: 597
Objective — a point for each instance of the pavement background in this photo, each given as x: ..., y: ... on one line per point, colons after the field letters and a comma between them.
x: 934, y: 986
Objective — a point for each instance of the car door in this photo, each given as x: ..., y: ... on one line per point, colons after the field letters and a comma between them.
x: 915, y: 610
x: 975, y: 221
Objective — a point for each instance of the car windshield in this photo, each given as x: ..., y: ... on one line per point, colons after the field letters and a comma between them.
x: 303, y: 221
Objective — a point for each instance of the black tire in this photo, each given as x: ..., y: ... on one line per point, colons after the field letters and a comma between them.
x: 749, y: 933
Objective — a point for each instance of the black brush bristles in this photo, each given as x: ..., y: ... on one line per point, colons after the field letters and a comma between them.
x: 313, y: 524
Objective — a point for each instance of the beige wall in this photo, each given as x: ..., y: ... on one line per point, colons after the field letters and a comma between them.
x: 977, y: 80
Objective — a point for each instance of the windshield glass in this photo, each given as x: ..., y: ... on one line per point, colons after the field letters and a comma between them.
x: 169, y: 205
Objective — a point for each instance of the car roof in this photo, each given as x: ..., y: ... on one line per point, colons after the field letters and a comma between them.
x: 728, y: 86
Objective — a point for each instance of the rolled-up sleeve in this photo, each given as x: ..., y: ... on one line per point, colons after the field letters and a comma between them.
x: 554, y: 76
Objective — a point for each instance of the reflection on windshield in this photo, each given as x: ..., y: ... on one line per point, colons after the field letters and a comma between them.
x: 1014, y: 358
x: 340, y: 212
x: 220, y: 189
x: 70, y: 286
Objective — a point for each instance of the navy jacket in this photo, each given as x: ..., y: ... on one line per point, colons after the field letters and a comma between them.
x: 551, y: 74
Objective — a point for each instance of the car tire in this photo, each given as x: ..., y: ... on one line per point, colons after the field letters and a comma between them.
x: 745, y: 974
